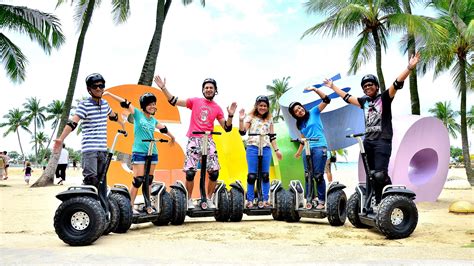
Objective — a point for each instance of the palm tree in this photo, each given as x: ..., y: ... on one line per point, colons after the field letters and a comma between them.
x: 54, y: 109
x: 40, y: 139
x: 452, y: 54
x: 277, y: 89
x: 16, y: 120
x: 35, y: 112
x: 148, y: 69
x: 83, y: 15
x: 42, y: 28
x: 443, y: 112
x: 470, y: 117
x: 372, y: 21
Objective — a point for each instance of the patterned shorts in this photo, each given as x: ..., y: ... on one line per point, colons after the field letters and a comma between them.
x: 193, y: 155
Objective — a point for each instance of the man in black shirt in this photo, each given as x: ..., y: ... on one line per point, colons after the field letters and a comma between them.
x: 378, y: 121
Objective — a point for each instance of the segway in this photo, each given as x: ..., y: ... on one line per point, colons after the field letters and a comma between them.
x: 335, y: 207
x: 179, y: 194
x: 396, y: 216
x: 157, y: 207
x: 87, y: 212
x: 276, y: 197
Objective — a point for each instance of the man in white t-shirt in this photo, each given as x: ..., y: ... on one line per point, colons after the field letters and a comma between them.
x: 62, y: 165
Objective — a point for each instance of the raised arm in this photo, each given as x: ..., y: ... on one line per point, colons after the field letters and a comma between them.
x: 243, y: 126
x: 324, y: 97
x: 173, y: 100
x: 398, y: 83
x: 344, y: 95
x: 227, y: 123
x: 123, y: 102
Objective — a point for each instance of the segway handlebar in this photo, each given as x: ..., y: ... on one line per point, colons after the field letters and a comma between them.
x: 263, y: 134
x: 122, y: 132
x: 304, y: 139
x: 355, y: 135
x: 207, y: 133
x: 155, y: 140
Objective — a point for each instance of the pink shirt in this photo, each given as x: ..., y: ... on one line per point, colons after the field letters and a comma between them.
x: 203, y: 114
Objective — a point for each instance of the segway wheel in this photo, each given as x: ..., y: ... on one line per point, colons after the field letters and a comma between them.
x: 292, y: 214
x: 222, y: 214
x: 397, y: 216
x: 125, y: 220
x: 236, y: 205
x: 278, y: 211
x: 336, y: 207
x: 113, y: 222
x: 353, y: 207
x: 79, y: 221
x: 178, y: 201
x: 164, y: 217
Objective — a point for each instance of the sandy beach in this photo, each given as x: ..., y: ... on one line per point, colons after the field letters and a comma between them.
x: 27, y: 235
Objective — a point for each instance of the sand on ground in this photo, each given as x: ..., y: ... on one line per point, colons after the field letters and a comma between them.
x: 27, y: 235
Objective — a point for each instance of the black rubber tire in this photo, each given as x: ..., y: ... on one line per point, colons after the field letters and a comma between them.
x: 278, y: 211
x: 178, y: 213
x: 236, y: 205
x: 125, y: 220
x: 389, y: 206
x: 86, y: 207
x: 292, y: 215
x: 166, y: 210
x: 114, y: 216
x: 353, y: 207
x: 223, y: 213
x: 337, y: 207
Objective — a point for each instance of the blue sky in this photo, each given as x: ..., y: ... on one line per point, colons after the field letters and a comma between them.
x: 243, y: 44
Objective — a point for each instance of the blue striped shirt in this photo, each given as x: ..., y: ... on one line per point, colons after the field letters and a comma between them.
x: 94, y: 124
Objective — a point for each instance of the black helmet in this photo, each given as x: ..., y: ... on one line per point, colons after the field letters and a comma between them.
x: 93, y: 78
x: 262, y: 98
x: 146, y: 99
x: 291, y: 106
x: 209, y: 80
x: 369, y: 78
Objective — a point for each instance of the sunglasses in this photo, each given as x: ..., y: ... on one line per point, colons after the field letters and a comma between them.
x: 368, y: 85
x: 100, y: 86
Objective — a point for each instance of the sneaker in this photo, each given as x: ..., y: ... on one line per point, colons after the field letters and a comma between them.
x: 267, y: 204
x: 320, y: 206
x: 190, y: 204
x: 60, y: 182
x: 249, y: 204
x: 210, y: 204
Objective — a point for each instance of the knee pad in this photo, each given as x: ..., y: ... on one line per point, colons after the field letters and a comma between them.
x: 251, y: 177
x: 265, y: 177
x: 190, y: 175
x: 213, y: 175
x: 137, y: 181
x: 319, y: 177
x: 382, y: 178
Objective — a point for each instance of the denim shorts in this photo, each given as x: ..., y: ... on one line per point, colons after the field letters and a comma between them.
x: 139, y: 158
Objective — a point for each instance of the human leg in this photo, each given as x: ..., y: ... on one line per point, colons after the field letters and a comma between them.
x: 319, y: 158
x: 89, y: 168
x: 138, y: 168
x: 252, y: 164
x: 266, y: 160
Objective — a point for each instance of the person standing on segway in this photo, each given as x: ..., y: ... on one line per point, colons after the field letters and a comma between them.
x: 93, y: 112
x: 309, y: 124
x: 204, y: 111
x: 378, y: 121
x: 258, y: 121
x: 143, y: 127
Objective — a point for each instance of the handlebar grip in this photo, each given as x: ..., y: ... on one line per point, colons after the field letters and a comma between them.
x: 312, y: 139
x: 163, y: 140
x: 258, y: 134
x: 355, y: 135
x: 123, y: 132
x: 147, y: 140
x: 204, y: 132
x: 295, y: 140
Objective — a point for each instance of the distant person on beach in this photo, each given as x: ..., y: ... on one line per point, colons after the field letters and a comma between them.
x: 378, y: 121
x: 74, y: 164
x: 2, y: 167
x: 309, y: 124
x: 62, y: 165
x: 204, y: 111
x: 7, y: 164
x: 258, y: 121
x: 93, y: 112
x: 28, y: 172
x: 143, y: 127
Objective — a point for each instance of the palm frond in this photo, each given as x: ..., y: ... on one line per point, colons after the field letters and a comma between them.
x: 120, y: 10
x: 13, y: 59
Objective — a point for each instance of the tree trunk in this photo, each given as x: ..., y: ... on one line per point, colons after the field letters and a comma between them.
x: 415, y: 100
x: 48, y: 175
x: 378, y: 60
x: 19, y: 142
x: 52, y: 135
x: 148, y: 69
x: 36, y: 141
x: 464, y: 138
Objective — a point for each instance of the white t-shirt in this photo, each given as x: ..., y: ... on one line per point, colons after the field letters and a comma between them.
x: 63, y: 157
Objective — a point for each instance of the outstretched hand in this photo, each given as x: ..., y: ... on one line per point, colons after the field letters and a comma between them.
x: 231, y: 109
x: 58, y: 144
x: 310, y: 89
x: 242, y: 114
x: 328, y: 83
x: 161, y: 83
x: 414, y: 60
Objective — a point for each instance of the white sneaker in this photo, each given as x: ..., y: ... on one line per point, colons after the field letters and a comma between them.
x: 190, y: 204
x: 210, y: 204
